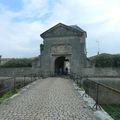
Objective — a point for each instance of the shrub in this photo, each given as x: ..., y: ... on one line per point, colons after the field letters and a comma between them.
x: 116, y: 60
x: 23, y: 62
x: 106, y: 60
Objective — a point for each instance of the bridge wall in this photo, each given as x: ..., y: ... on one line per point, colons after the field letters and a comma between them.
x: 105, y: 92
x: 107, y: 76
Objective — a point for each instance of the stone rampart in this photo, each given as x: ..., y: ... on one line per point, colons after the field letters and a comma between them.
x: 18, y: 71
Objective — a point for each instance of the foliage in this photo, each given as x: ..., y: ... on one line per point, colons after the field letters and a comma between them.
x: 7, y: 95
x: 41, y: 47
x: 23, y: 62
x: 116, y: 60
x: 106, y: 60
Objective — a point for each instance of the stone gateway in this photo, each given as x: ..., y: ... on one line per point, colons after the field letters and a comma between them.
x: 64, y: 50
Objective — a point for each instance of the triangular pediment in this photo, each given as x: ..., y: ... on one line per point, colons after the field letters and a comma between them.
x: 61, y: 30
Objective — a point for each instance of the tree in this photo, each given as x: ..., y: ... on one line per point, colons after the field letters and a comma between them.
x: 106, y: 60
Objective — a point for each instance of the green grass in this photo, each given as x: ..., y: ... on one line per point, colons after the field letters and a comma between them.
x: 113, y: 111
x: 7, y: 95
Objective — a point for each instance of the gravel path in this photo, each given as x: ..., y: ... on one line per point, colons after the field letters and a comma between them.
x: 47, y: 99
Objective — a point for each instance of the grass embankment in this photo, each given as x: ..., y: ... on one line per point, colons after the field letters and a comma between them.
x: 113, y: 111
x: 7, y: 95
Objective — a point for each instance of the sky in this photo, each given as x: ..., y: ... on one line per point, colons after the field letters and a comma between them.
x: 22, y: 22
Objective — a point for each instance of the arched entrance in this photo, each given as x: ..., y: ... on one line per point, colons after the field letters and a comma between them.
x: 61, y: 66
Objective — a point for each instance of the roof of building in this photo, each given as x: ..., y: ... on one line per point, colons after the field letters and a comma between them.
x: 74, y: 28
x: 77, y: 28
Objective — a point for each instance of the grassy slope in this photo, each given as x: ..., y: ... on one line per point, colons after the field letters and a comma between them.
x: 113, y: 111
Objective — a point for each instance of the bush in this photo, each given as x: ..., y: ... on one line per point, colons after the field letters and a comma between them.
x: 116, y: 60
x: 41, y: 47
x: 106, y: 60
x: 23, y: 62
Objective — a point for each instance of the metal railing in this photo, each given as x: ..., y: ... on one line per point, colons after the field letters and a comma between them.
x: 15, y: 82
x: 103, y: 95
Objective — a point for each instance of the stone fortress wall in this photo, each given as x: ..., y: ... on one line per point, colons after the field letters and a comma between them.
x: 89, y: 72
x: 9, y: 72
x: 101, y: 72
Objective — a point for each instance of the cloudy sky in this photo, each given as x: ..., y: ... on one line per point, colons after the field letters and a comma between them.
x: 22, y: 22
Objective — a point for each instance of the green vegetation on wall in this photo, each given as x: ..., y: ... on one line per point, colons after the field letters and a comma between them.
x: 23, y: 62
x: 106, y: 60
x: 41, y: 47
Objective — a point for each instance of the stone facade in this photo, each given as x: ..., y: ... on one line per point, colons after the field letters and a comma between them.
x: 63, y: 43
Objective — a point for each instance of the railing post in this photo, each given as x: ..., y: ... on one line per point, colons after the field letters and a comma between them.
x: 24, y: 80
x: 14, y: 82
x: 80, y: 81
x: 31, y: 78
x: 34, y: 77
x: 97, y: 96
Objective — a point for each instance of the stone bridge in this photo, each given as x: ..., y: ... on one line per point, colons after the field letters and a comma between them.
x: 47, y: 99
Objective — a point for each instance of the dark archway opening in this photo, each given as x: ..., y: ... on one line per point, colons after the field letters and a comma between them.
x: 59, y: 65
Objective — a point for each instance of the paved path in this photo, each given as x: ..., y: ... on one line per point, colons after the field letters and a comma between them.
x: 48, y: 99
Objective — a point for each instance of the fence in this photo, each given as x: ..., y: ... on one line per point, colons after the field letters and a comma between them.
x: 12, y: 83
x: 19, y: 80
x: 105, y: 96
